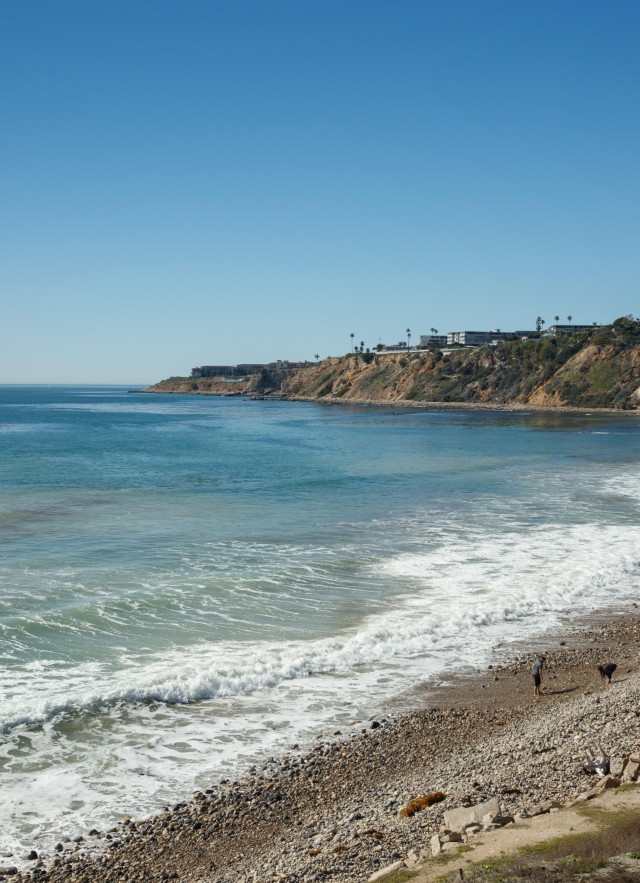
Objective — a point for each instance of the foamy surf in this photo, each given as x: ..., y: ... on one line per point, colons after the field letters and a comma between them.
x: 457, y: 590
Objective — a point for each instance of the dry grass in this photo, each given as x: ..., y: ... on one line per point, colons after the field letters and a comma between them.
x: 563, y: 859
x: 401, y: 876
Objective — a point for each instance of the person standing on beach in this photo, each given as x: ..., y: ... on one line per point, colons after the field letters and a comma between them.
x: 536, y: 674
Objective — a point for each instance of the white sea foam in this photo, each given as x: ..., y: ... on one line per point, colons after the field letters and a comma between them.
x: 625, y: 483
x: 30, y: 427
x: 453, y: 593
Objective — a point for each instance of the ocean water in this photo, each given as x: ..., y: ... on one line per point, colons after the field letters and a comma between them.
x: 189, y: 584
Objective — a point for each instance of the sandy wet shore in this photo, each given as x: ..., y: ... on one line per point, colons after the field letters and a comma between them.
x: 332, y: 813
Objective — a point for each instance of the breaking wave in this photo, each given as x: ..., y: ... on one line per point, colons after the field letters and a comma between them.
x: 453, y: 594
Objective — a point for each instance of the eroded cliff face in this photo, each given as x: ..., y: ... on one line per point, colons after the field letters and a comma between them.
x: 599, y: 368
x: 215, y: 386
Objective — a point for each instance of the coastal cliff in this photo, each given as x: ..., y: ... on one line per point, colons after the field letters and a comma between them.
x: 598, y: 368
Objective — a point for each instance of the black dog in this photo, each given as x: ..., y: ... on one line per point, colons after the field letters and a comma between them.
x: 607, y: 670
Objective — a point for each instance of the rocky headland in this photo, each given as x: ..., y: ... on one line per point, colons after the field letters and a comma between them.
x: 395, y: 790
x: 596, y: 369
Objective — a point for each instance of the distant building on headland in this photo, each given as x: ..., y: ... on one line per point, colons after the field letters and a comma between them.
x: 245, y: 369
x: 401, y: 347
x: 433, y: 340
x: 469, y: 338
x: 482, y: 338
x: 453, y: 338
x: 552, y: 330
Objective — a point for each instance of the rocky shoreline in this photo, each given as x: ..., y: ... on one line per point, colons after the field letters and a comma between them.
x: 334, y: 812
x: 516, y: 407
x: 409, y: 404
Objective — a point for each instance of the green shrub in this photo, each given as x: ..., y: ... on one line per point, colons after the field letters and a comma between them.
x: 627, y: 330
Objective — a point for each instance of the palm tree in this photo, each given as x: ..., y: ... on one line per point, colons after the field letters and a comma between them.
x: 362, y: 346
x: 538, y: 324
x: 556, y: 318
x: 408, y: 337
x: 434, y: 330
x: 569, y: 318
x: 352, y: 335
x: 317, y: 357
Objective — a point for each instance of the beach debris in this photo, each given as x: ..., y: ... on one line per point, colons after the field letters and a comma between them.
x: 597, y: 762
x: 420, y: 803
x: 372, y: 832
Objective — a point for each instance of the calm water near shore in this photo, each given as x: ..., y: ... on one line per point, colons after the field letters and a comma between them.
x: 190, y: 584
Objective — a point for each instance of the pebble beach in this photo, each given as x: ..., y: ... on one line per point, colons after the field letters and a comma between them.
x: 333, y: 812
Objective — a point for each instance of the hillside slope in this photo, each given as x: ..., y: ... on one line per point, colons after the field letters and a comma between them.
x: 599, y: 368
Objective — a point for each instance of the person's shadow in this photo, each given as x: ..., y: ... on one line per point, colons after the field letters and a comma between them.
x: 559, y: 692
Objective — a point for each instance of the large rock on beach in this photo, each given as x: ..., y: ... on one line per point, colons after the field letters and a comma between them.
x: 396, y: 866
x: 463, y: 816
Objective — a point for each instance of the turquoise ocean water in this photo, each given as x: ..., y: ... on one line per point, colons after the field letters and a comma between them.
x: 190, y: 584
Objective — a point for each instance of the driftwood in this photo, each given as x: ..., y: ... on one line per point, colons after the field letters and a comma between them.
x: 597, y: 762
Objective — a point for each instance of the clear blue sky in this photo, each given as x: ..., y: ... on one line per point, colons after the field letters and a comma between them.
x: 201, y: 182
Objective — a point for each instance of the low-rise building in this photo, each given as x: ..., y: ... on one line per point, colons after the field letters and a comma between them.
x: 552, y: 330
x: 433, y: 340
x: 244, y: 369
x: 472, y: 338
x: 285, y: 363
x: 219, y: 371
x: 401, y: 347
x: 483, y: 338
